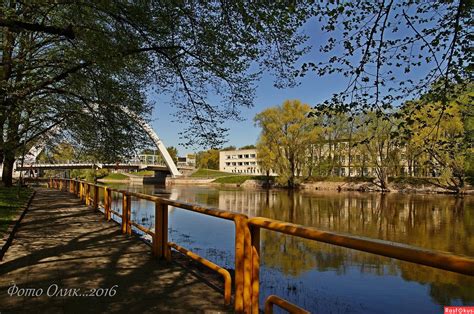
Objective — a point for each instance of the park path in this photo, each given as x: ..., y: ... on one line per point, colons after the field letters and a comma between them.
x: 61, y: 244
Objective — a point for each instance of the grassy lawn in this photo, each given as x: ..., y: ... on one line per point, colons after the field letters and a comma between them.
x: 339, y: 179
x: 9, y: 205
x: 144, y: 173
x: 210, y: 173
x: 115, y: 176
x: 237, y: 179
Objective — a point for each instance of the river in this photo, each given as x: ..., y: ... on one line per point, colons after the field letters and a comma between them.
x: 324, y: 278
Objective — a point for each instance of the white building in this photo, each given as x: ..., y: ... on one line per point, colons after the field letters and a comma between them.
x: 239, y: 161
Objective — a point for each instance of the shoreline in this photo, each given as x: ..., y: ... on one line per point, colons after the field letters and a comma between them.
x: 338, y: 186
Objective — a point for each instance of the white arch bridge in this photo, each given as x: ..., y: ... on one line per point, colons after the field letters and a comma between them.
x: 30, y: 160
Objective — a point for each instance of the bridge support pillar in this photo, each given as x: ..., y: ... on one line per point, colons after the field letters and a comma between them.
x: 160, y: 177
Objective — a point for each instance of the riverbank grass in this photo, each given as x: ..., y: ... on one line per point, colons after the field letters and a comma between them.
x: 210, y: 173
x: 237, y: 179
x: 10, y: 204
x: 116, y: 176
x: 144, y: 173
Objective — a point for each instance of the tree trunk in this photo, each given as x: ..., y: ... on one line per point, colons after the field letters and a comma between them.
x: 8, y: 163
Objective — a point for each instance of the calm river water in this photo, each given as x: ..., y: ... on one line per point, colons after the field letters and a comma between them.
x: 324, y: 278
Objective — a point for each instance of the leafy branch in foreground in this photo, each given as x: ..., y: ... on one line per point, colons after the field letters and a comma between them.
x: 392, y: 51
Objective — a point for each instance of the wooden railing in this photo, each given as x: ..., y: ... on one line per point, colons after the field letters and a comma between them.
x: 247, y: 242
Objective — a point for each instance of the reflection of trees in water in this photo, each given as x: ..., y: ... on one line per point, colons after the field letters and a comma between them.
x: 444, y: 286
x: 443, y: 223
x: 430, y: 221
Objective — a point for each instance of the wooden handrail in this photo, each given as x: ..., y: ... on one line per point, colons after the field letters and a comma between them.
x: 247, y: 244
x: 436, y: 259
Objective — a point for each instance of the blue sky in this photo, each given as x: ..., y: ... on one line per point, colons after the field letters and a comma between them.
x: 312, y: 89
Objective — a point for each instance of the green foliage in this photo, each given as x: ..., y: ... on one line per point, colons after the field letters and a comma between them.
x: 208, y: 159
x: 286, y: 135
x: 248, y: 147
x: 440, y: 137
x: 173, y: 151
x: 385, y: 44
x: 78, y: 64
x: 383, y: 149
x: 11, y: 199
x: 90, y: 175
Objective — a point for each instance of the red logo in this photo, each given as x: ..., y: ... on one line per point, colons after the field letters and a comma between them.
x: 459, y: 309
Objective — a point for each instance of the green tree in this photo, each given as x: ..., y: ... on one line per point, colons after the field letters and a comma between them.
x: 208, y: 159
x: 173, y: 151
x: 442, y: 142
x: 231, y: 147
x: 288, y: 132
x: 382, y: 146
x: 251, y: 146
x: 266, y: 156
x: 76, y: 64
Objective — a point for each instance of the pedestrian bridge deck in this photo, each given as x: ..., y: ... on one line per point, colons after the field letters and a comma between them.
x: 62, y: 244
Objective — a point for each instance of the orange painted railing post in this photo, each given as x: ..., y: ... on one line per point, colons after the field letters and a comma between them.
x: 289, y: 307
x: 96, y: 197
x: 255, y: 283
x: 129, y: 214
x: 124, y: 212
x: 88, y: 194
x: 239, y: 264
x: 107, y: 203
x: 160, y: 239
x: 85, y: 193
x: 155, y: 245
